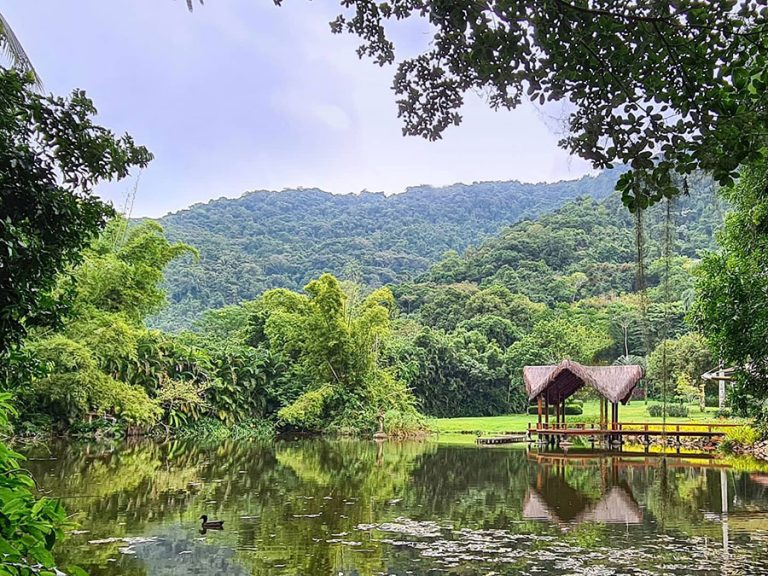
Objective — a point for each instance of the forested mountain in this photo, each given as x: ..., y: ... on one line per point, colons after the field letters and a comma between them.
x: 284, y: 239
x: 557, y: 282
x: 586, y: 248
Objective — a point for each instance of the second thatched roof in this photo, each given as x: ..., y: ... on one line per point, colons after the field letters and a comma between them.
x: 561, y: 380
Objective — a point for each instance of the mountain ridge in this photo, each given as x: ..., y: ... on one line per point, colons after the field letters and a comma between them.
x: 270, y: 239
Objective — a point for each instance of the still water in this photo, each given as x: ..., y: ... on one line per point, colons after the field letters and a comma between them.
x: 317, y: 508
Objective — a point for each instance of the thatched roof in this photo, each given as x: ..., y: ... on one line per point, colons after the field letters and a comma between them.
x: 561, y: 380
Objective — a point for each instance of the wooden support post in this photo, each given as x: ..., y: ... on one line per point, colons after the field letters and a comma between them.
x: 602, y: 411
x: 563, y: 412
x: 720, y: 387
x: 546, y: 411
x: 539, y: 402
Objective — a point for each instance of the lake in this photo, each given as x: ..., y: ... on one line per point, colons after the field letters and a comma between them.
x: 322, y: 507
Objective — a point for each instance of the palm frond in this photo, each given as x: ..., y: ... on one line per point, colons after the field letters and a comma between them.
x: 191, y: 4
x: 12, y: 48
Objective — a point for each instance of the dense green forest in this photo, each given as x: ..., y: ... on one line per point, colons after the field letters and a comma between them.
x: 586, y: 248
x: 562, y: 285
x: 265, y: 240
x: 346, y: 356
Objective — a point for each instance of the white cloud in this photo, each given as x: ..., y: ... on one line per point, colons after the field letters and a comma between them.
x: 242, y: 95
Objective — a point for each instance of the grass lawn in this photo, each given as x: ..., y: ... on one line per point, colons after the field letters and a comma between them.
x: 633, y: 412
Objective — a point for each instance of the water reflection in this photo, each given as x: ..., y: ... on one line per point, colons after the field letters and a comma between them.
x: 557, y: 502
x: 320, y: 507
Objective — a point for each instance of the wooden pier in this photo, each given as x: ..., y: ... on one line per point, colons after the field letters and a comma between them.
x: 515, y: 438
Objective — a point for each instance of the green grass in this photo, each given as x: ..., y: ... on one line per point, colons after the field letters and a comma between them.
x: 634, y: 412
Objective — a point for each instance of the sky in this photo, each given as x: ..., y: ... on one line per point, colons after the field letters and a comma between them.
x: 242, y: 95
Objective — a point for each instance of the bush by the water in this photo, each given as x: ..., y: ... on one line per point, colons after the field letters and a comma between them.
x: 570, y: 410
x: 673, y: 410
x: 213, y: 429
x: 744, y: 435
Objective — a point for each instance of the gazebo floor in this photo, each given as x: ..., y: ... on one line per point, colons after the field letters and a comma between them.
x: 626, y: 432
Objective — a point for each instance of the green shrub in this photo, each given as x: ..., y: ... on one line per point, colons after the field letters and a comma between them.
x: 673, y: 410
x: 308, y: 410
x: 404, y: 423
x: 726, y: 446
x: 677, y: 411
x: 570, y: 410
x: 744, y: 435
x: 30, y: 526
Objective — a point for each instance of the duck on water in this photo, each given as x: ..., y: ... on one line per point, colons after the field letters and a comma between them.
x: 211, y: 524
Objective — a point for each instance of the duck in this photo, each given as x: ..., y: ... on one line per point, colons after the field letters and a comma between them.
x: 211, y: 524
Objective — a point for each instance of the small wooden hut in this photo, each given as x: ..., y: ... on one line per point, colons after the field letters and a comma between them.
x: 552, y: 385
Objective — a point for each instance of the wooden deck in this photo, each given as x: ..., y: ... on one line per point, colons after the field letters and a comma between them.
x: 622, y: 429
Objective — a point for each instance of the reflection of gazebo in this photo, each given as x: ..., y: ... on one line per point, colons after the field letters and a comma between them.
x: 554, y: 500
x: 557, y: 502
x: 552, y: 385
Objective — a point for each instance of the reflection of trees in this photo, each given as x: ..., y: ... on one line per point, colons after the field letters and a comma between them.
x: 340, y: 484
x: 116, y: 492
x: 296, y: 503
x: 677, y: 497
x: 470, y: 486
x: 268, y: 495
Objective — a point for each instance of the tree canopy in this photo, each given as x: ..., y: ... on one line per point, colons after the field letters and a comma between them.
x: 665, y: 87
x: 51, y: 157
x: 266, y: 240
x: 330, y: 340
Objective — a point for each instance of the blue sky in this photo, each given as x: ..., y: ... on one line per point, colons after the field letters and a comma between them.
x: 242, y: 95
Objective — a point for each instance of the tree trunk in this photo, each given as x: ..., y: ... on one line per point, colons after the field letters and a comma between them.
x: 626, y: 344
x: 720, y: 388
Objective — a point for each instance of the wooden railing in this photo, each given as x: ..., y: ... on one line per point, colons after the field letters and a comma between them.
x: 636, y: 426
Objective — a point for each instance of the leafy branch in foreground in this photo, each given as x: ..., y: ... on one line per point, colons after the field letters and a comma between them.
x: 29, y: 526
x: 665, y: 87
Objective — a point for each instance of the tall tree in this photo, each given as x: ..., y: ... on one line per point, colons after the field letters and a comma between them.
x: 52, y: 155
x: 331, y: 342
x: 731, y: 304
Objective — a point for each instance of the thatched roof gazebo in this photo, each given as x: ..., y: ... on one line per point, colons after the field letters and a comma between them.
x: 552, y: 385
